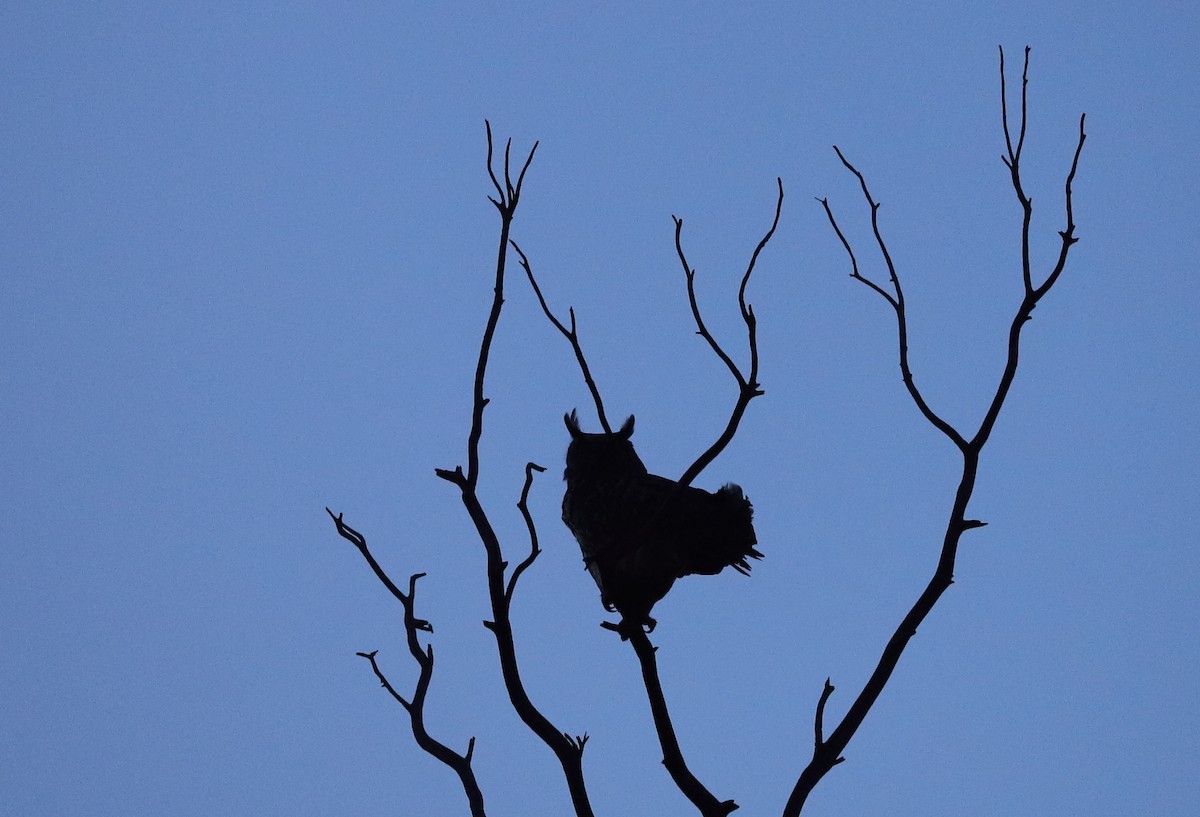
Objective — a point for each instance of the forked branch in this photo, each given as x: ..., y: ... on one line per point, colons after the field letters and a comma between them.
x: 748, y: 385
x: 827, y: 752
x: 895, y: 298
x: 460, y: 764
x: 1033, y: 294
x: 506, y: 203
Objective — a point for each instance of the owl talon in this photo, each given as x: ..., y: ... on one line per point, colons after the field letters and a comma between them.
x: 625, y: 627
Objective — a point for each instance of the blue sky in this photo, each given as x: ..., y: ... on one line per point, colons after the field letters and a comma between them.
x: 245, y: 259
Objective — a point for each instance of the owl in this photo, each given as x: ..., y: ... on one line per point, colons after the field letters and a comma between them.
x: 639, y: 532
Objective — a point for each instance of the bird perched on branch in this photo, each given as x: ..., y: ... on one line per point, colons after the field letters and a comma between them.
x: 639, y: 532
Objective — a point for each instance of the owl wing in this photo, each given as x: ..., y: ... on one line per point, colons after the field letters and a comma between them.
x: 597, y: 517
x: 690, y: 530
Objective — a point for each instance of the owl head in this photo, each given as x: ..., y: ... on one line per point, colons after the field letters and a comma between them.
x: 603, y: 455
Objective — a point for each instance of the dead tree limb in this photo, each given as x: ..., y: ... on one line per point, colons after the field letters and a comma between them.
x: 748, y: 385
x: 827, y: 751
x: 534, y: 549
x: 572, y: 336
x: 568, y: 750
x: 695, y: 791
x: 460, y: 764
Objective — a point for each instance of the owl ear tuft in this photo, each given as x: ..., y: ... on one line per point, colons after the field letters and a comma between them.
x: 627, y: 428
x: 572, y: 421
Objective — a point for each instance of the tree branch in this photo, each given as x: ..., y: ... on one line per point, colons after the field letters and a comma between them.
x: 828, y: 752
x: 507, y: 206
x: 572, y: 337
x: 746, y: 309
x: 1013, y: 162
x: 897, y: 302
x: 568, y: 751
x: 748, y: 385
x: 534, y: 550
x: 693, y: 789
x: 1032, y: 294
x: 460, y: 764
x: 819, y: 719
x: 1067, y: 235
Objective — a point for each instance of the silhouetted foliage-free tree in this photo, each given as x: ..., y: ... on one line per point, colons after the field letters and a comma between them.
x: 635, y: 527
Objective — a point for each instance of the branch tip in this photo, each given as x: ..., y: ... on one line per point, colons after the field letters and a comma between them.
x: 455, y: 476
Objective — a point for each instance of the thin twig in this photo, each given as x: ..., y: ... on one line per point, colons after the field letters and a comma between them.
x: 1024, y: 96
x: 572, y: 337
x: 1068, y: 234
x: 819, y: 719
x: 855, y: 274
x: 702, y: 330
x: 534, y: 550
x: 747, y: 309
x: 1013, y: 162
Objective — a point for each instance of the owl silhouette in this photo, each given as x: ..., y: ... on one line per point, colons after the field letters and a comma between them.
x: 639, y: 532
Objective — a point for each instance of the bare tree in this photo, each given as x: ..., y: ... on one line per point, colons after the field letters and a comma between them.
x: 827, y: 748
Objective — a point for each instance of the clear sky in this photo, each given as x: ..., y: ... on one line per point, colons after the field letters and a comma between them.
x: 245, y: 260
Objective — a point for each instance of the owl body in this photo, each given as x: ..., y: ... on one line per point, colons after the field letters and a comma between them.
x: 639, y: 532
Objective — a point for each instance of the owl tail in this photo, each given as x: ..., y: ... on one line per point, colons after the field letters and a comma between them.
x: 724, y: 533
